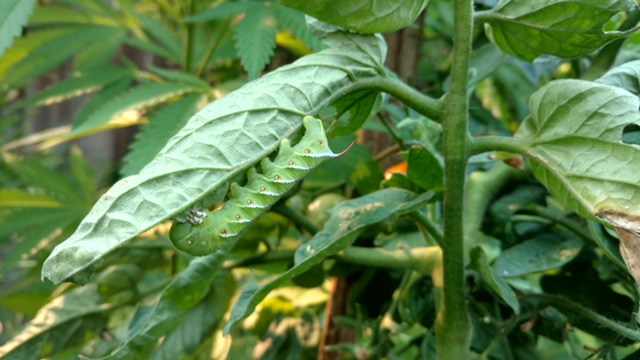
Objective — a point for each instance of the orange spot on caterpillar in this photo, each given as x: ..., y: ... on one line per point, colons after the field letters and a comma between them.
x: 250, y: 202
x: 307, y: 151
x: 278, y: 178
x: 320, y: 142
x: 238, y: 217
x: 223, y: 232
x: 291, y: 163
x: 263, y: 189
x: 190, y: 241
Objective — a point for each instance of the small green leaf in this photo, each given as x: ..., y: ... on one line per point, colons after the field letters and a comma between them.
x: 492, y: 277
x: 164, y: 123
x: 625, y: 76
x: 364, y: 16
x: 14, y: 198
x: 80, y: 85
x: 537, y: 255
x: 574, y: 139
x: 347, y: 222
x: 425, y: 169
x: 200, y: 321
x: 255, y: 38
x: 223, y: 11
x: 109, y: 93
x: 162, y: 34
x: 139, y: 97
x: 563, y: 28
x: 360, y: 106
x: 62, y: 323
x: 13, y: 16
x: 184, y: 292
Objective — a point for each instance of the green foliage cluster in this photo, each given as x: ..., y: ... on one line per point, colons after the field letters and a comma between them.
x: 456, y: 254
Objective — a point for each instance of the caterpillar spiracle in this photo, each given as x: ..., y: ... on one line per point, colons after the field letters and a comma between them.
x: 205, y: 232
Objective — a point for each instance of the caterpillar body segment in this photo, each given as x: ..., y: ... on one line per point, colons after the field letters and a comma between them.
x: 206, y: 232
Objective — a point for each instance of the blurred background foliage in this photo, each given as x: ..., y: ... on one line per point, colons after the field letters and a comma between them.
x: 133, y: 73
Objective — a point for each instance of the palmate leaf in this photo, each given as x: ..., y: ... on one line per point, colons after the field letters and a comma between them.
x: 217, y: 144
x: 27, y: 61
x: 80, y: 85
x: 137, y: 98
x: 13, y: 16
x: 163, y: 124
x: 255, y: 38
x: 564, y: 28
x: 62, y: 323
x: 150, y: 323
x: 364, y: 16
x: 347, y: 222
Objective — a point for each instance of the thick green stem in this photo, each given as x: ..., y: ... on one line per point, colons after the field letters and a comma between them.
x: 453, y: 328
x: 497, y: 143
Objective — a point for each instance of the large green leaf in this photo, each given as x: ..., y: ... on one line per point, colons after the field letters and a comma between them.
x: 347, y: 222
x: 13, y: 16
x: 574, y: 137
x: 64, y: 322
x: 364, y: 16
x: 217, y: 144
x: 563, y: 28
x: 185, y: 291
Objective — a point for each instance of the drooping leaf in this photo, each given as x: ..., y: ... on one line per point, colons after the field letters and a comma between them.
x: 35, y: 61
x: 563, y: 28
x: 80, y: 85
x: 360, y: 106
x: 492, y: 277
x: 51, y: 14
x: 537, y: 255
x: 218, y: 143
x: 347, y: 222
x: 62, y: 323
x: 574, y: 139
x: 364, y: 16
x: 625, y: 76
x: 256, y: 39
x: 164, y: 124
x: 185, y: 291
x: 109, y: 93
x: 139, y: 97
x: 200, y: 321
x: 100, y: 53
x: 162, y: 34
x: 13, y: 16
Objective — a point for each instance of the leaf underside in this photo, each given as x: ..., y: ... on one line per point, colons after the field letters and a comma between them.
x: 220, y: 142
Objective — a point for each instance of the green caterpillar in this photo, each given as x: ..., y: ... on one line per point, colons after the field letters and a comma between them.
x: 205, y: 232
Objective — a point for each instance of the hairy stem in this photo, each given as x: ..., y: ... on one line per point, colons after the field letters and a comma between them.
x: 421, y: 103
x: 453, y: 328
x: 574, y: 308
x: 423, y: 260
